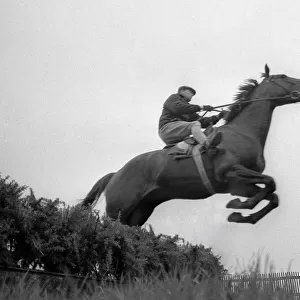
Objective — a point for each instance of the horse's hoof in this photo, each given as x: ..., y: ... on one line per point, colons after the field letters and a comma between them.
x: 235, y: 217
x: 235, y: 203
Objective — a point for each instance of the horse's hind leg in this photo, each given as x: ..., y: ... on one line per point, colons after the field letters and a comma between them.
x: 247, y: 179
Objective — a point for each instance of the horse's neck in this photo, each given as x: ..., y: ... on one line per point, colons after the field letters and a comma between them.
x: 254, y: 120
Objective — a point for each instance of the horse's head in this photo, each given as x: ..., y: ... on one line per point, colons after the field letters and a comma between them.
x: 280, y: 88
x: 276, y: 89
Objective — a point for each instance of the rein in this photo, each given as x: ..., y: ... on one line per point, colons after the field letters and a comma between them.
x: 295, y: 95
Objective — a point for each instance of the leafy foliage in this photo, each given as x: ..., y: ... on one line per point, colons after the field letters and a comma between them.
x: 48, y: 234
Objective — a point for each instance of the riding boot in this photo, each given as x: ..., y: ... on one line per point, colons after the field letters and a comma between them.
x: 212, y: 149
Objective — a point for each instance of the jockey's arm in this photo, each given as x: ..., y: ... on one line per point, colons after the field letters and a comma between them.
x: 193, y: 117
x: 179, y: 107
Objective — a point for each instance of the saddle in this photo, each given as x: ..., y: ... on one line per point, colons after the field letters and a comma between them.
x: 184, y: 148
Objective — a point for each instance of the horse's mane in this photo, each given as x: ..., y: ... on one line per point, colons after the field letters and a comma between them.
x: 244, y: 92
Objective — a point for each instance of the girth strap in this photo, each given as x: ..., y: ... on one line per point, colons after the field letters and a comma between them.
x: 200, y: 166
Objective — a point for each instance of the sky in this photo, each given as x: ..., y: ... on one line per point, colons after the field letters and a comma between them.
x: 82, y: 88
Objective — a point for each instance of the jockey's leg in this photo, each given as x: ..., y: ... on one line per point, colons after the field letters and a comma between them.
x: 177, y: 131
x: 198, y: 134
x: 201, y: 138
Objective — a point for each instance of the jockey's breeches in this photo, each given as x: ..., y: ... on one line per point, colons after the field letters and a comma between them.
x: 177, y: 131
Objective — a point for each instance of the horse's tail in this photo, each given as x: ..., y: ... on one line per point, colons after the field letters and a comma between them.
x: 97, y: 189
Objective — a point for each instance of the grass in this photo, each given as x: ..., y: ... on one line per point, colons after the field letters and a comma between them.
x: 170, y: 288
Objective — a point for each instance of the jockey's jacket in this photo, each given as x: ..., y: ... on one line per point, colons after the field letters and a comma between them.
x: 177, y: 108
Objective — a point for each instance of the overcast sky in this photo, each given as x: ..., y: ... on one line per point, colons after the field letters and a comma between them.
x: 82, y: 87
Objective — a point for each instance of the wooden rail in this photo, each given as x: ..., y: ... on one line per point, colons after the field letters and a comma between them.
x: 283, y: 281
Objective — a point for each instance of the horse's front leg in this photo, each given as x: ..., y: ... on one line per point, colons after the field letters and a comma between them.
x: 243, y: 183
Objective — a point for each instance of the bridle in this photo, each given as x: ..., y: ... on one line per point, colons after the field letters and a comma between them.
x: 294, y: 95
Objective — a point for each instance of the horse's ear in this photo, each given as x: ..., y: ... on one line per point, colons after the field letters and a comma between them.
x: 267, y: 71
x: 266, y: 74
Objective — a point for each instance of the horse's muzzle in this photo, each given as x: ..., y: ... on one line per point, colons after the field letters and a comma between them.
x: 295, y: 95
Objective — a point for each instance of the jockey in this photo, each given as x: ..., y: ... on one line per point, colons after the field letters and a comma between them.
x: 179, y: 119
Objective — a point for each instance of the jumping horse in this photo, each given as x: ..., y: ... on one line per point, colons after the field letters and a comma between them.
x: 149, y: 179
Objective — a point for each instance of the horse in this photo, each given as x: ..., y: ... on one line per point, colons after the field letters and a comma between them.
x: 151, y: 178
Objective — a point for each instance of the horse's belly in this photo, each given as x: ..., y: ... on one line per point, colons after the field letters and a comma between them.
x: 183, y: 179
